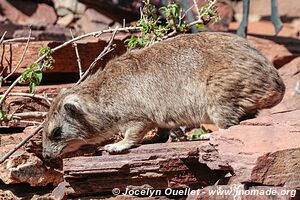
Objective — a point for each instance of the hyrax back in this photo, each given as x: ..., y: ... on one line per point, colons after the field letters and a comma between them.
x: 186, y: 80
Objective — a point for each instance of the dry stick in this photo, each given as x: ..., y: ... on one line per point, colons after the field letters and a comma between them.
x: 17, y: 40
x: 29, y: 95
x: 22, y: 57
x: 199, y: 21
x: 77, y: 55
x: 26, y: 115
x: 2, y: 38
x: 197, y: 9
x: 106, y: 50
x: 21, y: 143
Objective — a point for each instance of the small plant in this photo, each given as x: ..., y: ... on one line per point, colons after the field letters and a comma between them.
x: 208, y: 13
x: 198, y: 134
x: 153, y: 29
x: 33, y: 75
x: 3, y: 116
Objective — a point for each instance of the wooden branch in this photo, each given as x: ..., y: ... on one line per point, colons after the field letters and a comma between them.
x: 27, y: 115
x: 21, y: 143
x: 2, y: 38
x: 197, y: 9
x: 17, y: 39
x: 106, y: 50
x: 22, y: 57
x: 200, y: 21
x: 30, y: 95
x: 77, y: 55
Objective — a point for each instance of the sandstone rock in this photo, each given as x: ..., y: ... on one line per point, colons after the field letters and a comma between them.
x: 278, y: 51
x: 72, y: 5
x: 10, y: 28
x: 42, y: 35
x: 65, y: 58
x: 267, y: 28
x: 8, y: 195
x: 234, y: 192
x: 116, y: 9
x: 27, y: 168
x: 291, y: 77
x: 29, y: 12
x: 244, y: 148
x: 263, y: 8
x: 19, y: 104
x: 65, y: 20
x: 225, y: 11
x: 155, y: 166
x: 9, y: 140
x: 92, y: 21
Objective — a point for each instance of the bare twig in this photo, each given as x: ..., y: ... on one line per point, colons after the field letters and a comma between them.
x: 17, y: 39
x: 27, y: 115
x: 106, y: 50
x: 2, y: 38
x: 197, y: 9
x: 33, y: 123
x: 77, y: 55
x: 21, y: 143
x: 200, y: 21
x: 30, y: 95
x: 22, y: 57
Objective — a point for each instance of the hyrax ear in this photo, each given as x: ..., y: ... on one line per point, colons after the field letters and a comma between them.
x: 72, y: 104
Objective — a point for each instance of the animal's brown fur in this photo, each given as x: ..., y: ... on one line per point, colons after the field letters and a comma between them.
x: 185, y: 80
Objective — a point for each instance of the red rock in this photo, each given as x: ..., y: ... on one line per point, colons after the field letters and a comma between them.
x: 267, y: 28
x: 92, y: 21
x: 27, y: 168
x: 155, y: 166
x: 288, y: 9
x: 19, y: 104
x: 9, y: 140
x: 44, y: 35
x: 225, y: 12
x: 291, y: 77
x: 8, y: 195
x: 279, y: 52
x: 10, y: 28
x: 244, y: 148
x: 29, y: 12
x: 72, y: 5
x: 65, y: 58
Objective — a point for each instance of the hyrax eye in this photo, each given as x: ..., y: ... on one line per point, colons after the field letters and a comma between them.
x: 56, y: 133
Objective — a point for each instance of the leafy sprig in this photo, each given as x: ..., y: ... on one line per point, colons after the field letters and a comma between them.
x: 33, y: 75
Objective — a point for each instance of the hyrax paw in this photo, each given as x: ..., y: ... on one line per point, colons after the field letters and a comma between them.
x: 117, y: 147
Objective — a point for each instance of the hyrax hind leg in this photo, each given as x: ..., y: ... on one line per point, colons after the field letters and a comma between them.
x: 225, y: 116
x: 134, y: 133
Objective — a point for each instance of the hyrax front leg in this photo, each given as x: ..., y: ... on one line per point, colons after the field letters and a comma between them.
x: 134, y: 133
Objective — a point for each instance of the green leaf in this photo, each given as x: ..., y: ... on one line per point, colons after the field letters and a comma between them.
x: 32, y: 86
x: 38, y: 75
x: 3, y: 116
x: 200, y: 26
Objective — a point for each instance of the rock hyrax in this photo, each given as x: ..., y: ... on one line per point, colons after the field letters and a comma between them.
x: 183, y: 81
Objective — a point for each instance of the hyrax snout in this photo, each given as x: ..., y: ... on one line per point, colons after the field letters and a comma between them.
x: 186, y: 80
